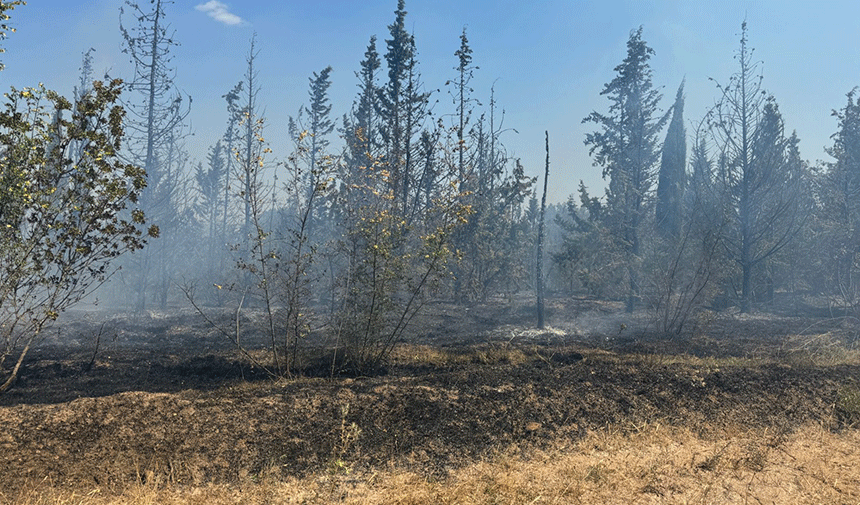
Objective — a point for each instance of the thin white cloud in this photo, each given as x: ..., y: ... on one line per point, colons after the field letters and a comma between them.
x: 220, y: 12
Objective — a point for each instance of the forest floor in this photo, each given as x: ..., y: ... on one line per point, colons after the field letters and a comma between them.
x: 475, y: 406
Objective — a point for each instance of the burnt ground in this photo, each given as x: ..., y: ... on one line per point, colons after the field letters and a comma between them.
x: 167, y: 395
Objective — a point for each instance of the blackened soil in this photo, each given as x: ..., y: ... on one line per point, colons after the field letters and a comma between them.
x: 195, y: 411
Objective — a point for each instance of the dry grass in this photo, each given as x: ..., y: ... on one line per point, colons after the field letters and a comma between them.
x: 487, y: 354
x: 655, y: 465
x: 825, y: 349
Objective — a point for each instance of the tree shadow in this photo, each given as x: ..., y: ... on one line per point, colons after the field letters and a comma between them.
x: 49, y: 378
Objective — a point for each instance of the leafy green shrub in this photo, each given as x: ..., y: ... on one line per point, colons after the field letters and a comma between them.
x: 67, y: 208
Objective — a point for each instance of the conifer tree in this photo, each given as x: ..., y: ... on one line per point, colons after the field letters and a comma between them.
x: 540, y: 239
x: 671, y: 180
x: 231, y: 137
x: 210, y: 181
x: 361, y: 125
x: 367, y: 103
x: 402, y: 107
x: 392, y: 97
x: 838, y: 214
x: 319, y: 125
x: 152, y: 122
x: 701, y: 173
x: 626, y: 147
x: 758, y: 197
x: 464, y: 75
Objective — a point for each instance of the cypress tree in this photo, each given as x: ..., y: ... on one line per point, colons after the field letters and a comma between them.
x: 671, y: 180
x: 625, y: 147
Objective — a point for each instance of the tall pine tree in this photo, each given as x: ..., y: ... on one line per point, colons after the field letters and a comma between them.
x: 838, y: 201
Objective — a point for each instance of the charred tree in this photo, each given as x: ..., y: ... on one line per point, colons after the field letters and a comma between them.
x: 249, y: 153
x: 757, y: 191
x: 152, y: 122
x: 540, y: 286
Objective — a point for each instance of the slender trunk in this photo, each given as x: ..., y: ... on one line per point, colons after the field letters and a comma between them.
x: 149, y: 161
x: 312, y: 180
x: 227, y: 173
x: 540, y: 307
x: 460, y: 142
x: 14, y: 374
x: 249, y: 142
x: 745, y: 210
x: 407, y: 136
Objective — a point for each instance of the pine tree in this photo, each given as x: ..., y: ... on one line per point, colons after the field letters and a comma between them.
x: 361, y: 134
x: 464, y: 75
x: 539, y: 262
x: 210, y: 181
x: 671, y: 180
x: 231, y: 137
x: 392, y: 97
x: 319, y: 115
x: 85, y: 85
x: 701, y: 175
x: 468, y: 270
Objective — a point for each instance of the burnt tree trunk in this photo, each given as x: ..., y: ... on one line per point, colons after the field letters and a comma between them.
x: 540, y: 288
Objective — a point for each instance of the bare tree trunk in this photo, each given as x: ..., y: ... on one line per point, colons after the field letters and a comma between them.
x: 14, y: 374
x: 540, y: 307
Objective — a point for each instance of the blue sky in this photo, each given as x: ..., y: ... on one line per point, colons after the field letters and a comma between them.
x: 549, y: 59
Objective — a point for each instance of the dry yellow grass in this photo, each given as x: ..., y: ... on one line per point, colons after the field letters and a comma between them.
x: 656, y: 465
x: 420, y: 355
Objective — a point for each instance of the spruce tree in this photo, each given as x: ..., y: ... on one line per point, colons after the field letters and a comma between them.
x: 361, y: 131
x: 464, y: 75
x: 210, y: 181
x: 402, y: 107
x: 391, y: 97
x: 319, y: 125
x: 152, y: 122
x: 231, y: 137
x: 365, y: 136
x: 838, y: 213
